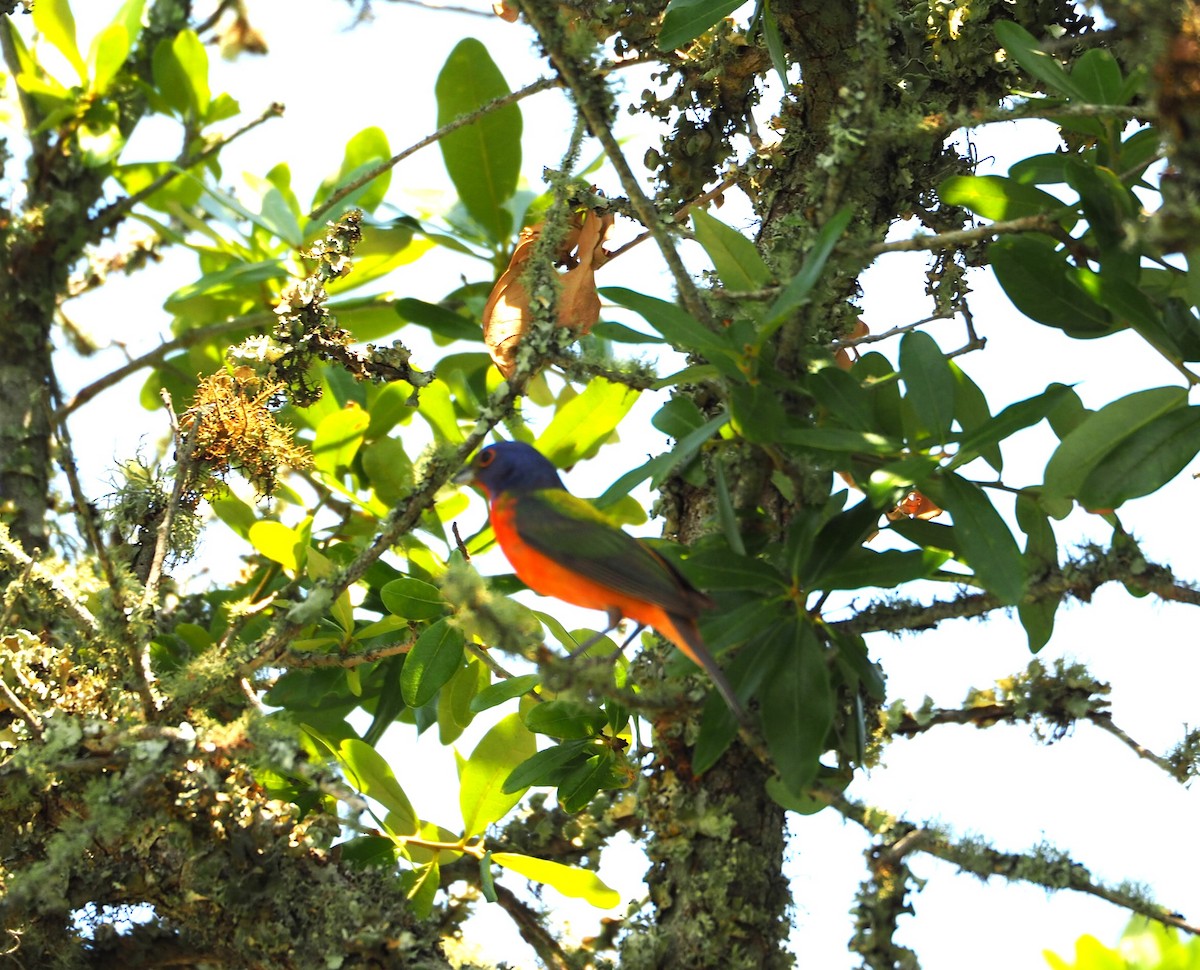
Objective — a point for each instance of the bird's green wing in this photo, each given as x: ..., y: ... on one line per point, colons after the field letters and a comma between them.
x: 573, y: 533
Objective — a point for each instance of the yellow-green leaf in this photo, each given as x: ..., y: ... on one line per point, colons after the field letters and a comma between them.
x: 54, y: 21
x: 481, y: 793
x: 278, y: 543
x: 576, y: 883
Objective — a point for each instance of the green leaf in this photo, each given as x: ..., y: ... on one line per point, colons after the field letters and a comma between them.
x: 726, y: 513
x: 426, y: 882
x: 483, y: 158
x: 770, y: 28
x: 338, y: 438
x: 1040, y: 284
x: 433, y: 660
x: 576, y: 883
x: 455, y: 713
x: 180, y: 67
x: 734, y: 257
x: 567, y: 720
x: 278, y: 543
x: 838, y: 537
x: 54, y: 21
x: 482, y: 797
x: 797, y: 710
x: 504, y: 690
x: 547, y: 766
x: 437, y: 319
x: 659, y: 467
x: 1144, y: 462
x: 685, y: 20
x: 1100, y: 432
x: 996, y: 197
x: 840, y: 440
x: 372, y: 775
x: 928, y: 382
x: 1041, y: 552
x: 604, y: 770
x: 864, y: 567
x: 843, y: 397
x: 1022, y: 47
x: 680, y: 329
x: 388, y: 468
x: 796, y: 292
x: 585, y: 422
x: 1014, y: 418
x: 724, y: 569
x: 1098, y: 78
x: 106, y: 54
x: 986, y: 542
x: 413, y: 599
x: 365, y: 150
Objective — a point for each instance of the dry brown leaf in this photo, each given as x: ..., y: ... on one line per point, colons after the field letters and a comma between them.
x: 506, y: 313
x: 914, y: 505
x: 843, y: 358
x: 506, y: 11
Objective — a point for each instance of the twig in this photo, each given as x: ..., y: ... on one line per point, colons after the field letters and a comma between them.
x: 83, y: 508
x: 536, y: 13
x: 107, y: 217
x: 871, y: 338
x: 726, y: 183
x: 1077, y: 579
x: 541, y: 84
x: 446, y: 8
x: 1104, y: 721
x: 295, y: 659
x: 532, y: 931
x: 957, y: 237
x: 152, y: 357
x: 1038, y: 867
x: 185, y: 447
x: 26, y: 715
x: 11, y: 551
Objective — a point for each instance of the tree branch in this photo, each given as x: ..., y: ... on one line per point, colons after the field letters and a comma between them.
x: 532, y: 931
x: 156, y: 355
x: 956, y: 238
x: 110, y: 215
x: 1043, y: 865
x: 541, y: 84
x: 597, y: 120
x: 1078, y: 579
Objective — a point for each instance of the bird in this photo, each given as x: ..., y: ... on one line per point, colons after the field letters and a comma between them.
x: 560, y: 545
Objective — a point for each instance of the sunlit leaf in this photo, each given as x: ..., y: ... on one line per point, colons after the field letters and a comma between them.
x: 576, y: 883
x: 481, y: 793
x: 581, y: 425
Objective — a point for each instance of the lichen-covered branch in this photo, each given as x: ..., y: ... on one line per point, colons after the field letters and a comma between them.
x: 1043, y: 865
x: 1078, y: 579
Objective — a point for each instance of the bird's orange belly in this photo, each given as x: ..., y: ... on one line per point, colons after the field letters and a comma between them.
x: 545, y: 576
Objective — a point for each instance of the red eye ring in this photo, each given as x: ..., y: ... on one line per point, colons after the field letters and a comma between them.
x: 485, y: 458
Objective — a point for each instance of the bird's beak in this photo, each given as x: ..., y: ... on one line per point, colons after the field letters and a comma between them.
x: 465, y: 477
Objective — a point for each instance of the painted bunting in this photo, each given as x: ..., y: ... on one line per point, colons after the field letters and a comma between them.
x: 561, y: 546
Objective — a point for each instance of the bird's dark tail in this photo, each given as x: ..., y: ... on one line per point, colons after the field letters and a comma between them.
x: 685, y: 634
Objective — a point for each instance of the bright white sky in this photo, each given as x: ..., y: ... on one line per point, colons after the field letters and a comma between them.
x: 1087, y: 794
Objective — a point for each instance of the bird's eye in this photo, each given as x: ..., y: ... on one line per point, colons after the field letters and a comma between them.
x: 485, y: 458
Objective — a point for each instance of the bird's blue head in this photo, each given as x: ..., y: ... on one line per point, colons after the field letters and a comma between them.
x: 509, y: 466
